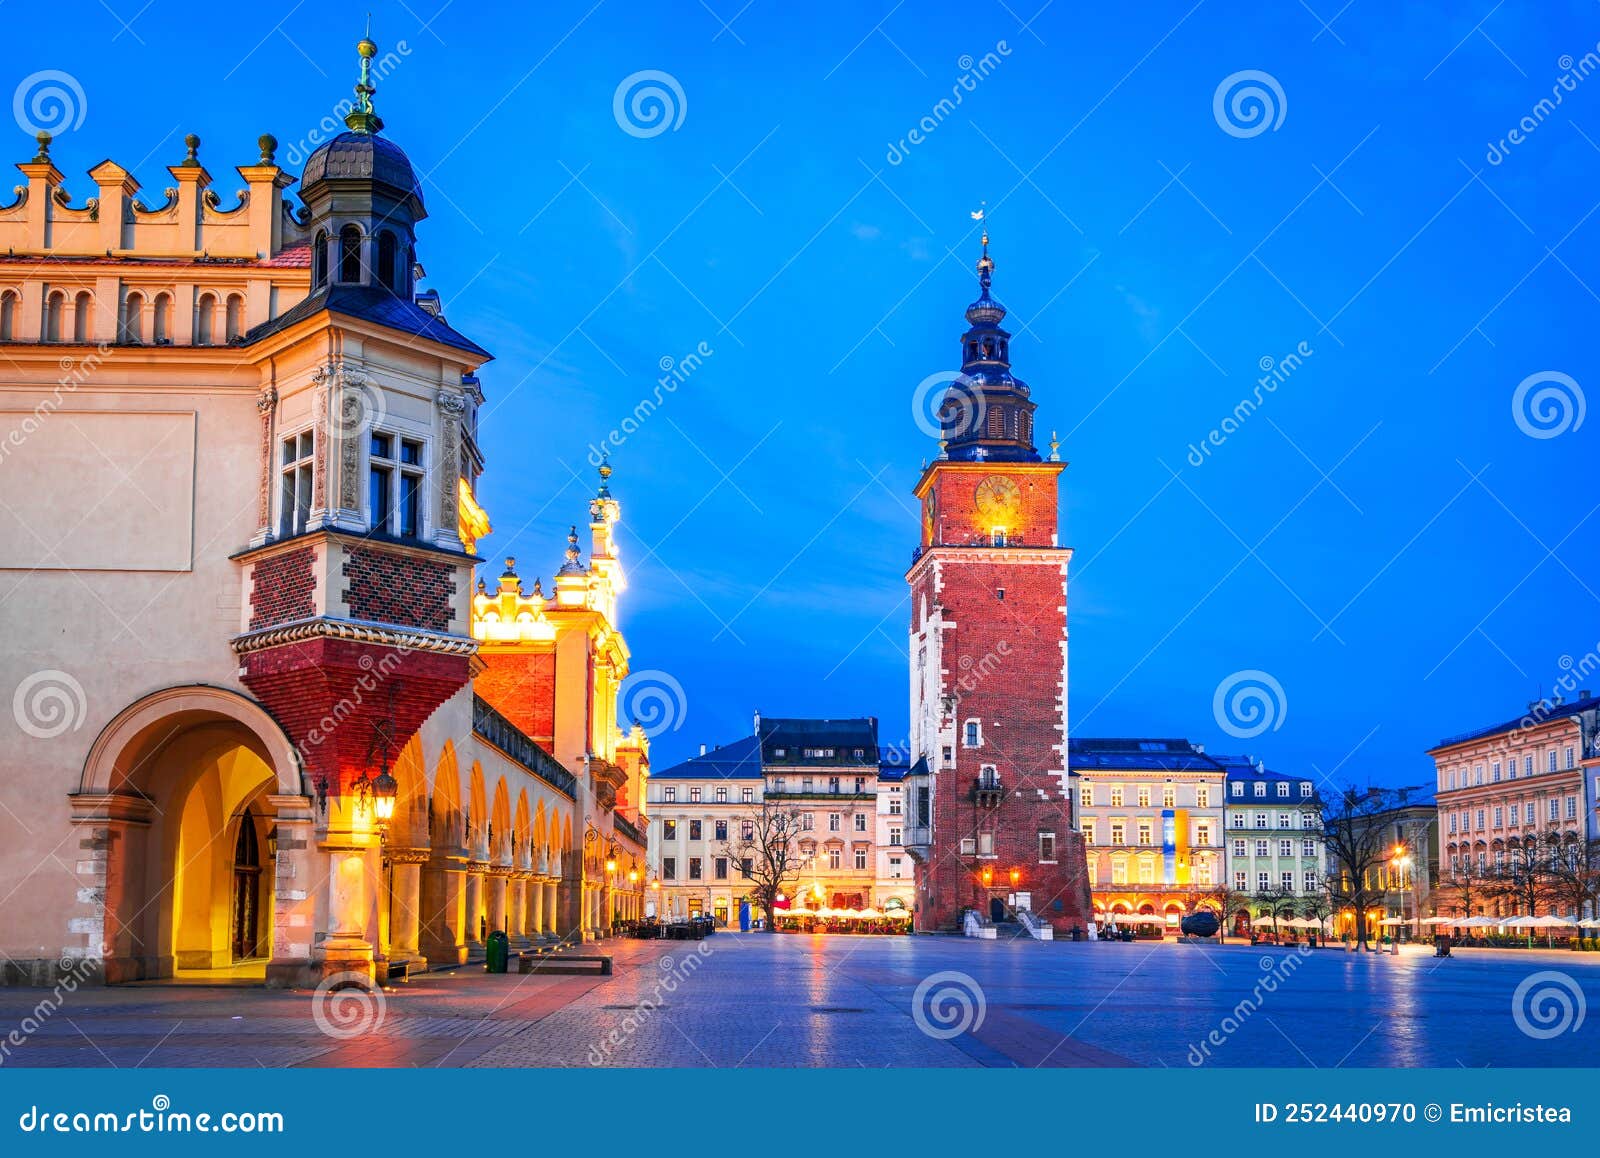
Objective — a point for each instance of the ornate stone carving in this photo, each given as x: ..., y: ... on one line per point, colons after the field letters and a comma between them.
x: 266, y: 406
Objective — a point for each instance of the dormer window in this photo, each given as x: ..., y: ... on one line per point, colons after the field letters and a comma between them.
x: 395, y: 486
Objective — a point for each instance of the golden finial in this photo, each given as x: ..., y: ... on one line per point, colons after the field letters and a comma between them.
x: 362, y: 118
x: 1055, y: 447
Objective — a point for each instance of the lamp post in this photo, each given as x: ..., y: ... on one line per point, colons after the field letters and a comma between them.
x: 1400, y: 859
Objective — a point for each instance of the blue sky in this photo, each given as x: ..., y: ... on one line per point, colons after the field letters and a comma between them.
x: 1381, y: 536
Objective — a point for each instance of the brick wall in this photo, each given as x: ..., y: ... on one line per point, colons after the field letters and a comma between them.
x: 283, y: 588
x: 521, y: 686
x: 389, y: 587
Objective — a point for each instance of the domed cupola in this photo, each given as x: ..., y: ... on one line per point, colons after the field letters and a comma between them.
x: 986, y: 413
x: 364, y: 200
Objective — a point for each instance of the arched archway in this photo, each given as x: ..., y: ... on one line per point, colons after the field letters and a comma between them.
x: 189, y: 790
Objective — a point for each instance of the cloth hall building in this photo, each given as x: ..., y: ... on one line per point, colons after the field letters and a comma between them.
x: 264, y: 723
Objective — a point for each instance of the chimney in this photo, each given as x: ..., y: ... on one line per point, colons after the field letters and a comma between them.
x: 758, y: 723
x: 1584, y: 694
x: 702, y: 749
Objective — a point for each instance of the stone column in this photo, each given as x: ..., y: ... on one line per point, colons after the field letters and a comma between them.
x: 516, y: 906
x: 536, y: 889
x: 496, y: 905
x: 444, y: 913
x: 475, y: 902
x: 297, y: 873
x: 405, y: 920
x: 552, y: 908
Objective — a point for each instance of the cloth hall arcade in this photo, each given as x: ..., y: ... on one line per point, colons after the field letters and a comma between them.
x: 219, y: 708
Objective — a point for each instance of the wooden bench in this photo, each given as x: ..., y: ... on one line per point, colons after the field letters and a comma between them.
x: 400, y: 970
x: 534, y: 961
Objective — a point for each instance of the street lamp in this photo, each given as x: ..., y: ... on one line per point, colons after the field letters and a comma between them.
x: 1401, y: 860
x: 988, y: 876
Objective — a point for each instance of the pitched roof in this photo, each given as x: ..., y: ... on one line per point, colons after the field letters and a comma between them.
x: 1543, y: 712
x: 785, y: 741
x: 371, y: 304
x: 740, y: 760
x: 1153, y: 755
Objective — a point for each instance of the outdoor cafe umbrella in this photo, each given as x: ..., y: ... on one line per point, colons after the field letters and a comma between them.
x: 1479, y: 923
x: 1441, y: 920
x: 1262, y: 921
x: 1548, y: 923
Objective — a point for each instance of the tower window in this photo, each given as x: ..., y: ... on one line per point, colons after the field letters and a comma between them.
x: 8, y: 316
x: 163, y: 319
x: 82, y: 309
x: 998, y: 538
x: 205, y: 320
x: 133, y: 319
x: 319, y: 259
x: 234, y: 326
x: 350, y: 255
x: 972, y: 734
x: 294, y: 504
x: 395, y: 486
x: 386, y: 261
x: 52, y: 316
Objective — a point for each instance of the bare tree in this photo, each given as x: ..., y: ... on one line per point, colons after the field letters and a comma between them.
x: 1523, y: 879
x: 1278, y: 901
x: 764, y: 846
x: 1575, y: 875
x: 1466, y: 887
x: 1226, y: 901
x: 1356, y: 845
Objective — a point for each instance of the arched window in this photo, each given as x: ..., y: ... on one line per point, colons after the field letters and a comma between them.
x: 8, y: 316
x: 235, y: 323
x: 319, y: 258
x: 350, y: 255
x: 53, y: 309
x: 133, y: 319
x: 82, y: 316
x: 163, y: 318
x: 387, y: 271
x: 205, y: 320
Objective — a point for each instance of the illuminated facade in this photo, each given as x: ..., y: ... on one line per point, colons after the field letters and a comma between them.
x: 239, y: 452
x: 827, y: 772
x: 1151, y: 814
x: 992, y: 824
x: 1515, y: 790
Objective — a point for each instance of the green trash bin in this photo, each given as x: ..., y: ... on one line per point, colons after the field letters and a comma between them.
x: 498, y: 952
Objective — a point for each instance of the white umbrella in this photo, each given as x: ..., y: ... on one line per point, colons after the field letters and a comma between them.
x: 1591, y: 923
x: 1441, y: 920
x: 1389, y: 922
x: 1545, y: 922
x: 1265, y: 921
x: 1479, y: 923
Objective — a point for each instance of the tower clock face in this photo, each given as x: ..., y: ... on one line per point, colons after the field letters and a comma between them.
x: 998, y: 498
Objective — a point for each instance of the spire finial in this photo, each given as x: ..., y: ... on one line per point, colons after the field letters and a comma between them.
x: 985, y: 262
x: 1055, y: 447
x: 362, y: 118
x: 605, y: 476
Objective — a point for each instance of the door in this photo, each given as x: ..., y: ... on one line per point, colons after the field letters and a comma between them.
x: 997, y: 909
x: 246, y: 890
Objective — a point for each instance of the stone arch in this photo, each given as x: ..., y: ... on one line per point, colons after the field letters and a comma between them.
x: 410, y: 826
x: 477, y: 837
x: 445, y: 819
x: 185, y: 791
x: 521, y: 832
x: 541, y: 839
x: 499, y: 834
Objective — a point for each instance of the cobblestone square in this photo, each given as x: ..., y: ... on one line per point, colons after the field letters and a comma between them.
x: 784, y: 1001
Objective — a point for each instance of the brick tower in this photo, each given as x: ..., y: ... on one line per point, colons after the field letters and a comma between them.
x: 991, y: 823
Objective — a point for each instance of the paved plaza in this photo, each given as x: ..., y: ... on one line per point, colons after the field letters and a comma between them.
x: 758, y: 1000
